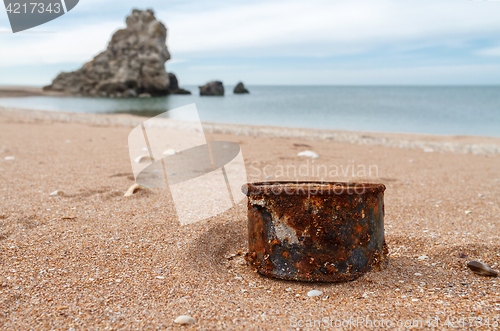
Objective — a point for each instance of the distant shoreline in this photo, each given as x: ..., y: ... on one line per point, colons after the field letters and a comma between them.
x: 26, y: 91
x: 18, y: 91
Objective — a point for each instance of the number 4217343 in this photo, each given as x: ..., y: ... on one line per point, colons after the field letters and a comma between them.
x: 33, y: 7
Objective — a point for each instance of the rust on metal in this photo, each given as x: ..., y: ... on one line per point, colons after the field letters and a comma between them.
x: 315, y: 231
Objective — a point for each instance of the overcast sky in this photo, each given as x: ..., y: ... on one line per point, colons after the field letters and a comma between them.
x: 313, y: 42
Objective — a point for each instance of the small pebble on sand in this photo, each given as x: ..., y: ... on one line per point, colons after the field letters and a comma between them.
x: 423, y: 257
x: 314, y: 293
x: 185, y: 319
x: 58, y: 192
x: 9, y: 158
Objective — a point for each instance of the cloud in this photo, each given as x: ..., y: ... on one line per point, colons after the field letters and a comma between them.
x: 268, y: 28
x: 75, y: 44
x: 173, y: 61
x: 206, y: 34
x: 495, y: 51
x: 327, y: 27
x: 384, y: 75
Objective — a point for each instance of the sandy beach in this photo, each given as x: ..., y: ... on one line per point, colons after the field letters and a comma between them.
x: 93, y: 259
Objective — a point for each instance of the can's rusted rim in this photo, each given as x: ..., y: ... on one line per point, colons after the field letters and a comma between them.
x: 310, y: 188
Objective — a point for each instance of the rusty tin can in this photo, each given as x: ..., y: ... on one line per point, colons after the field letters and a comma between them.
x: 315, y: 231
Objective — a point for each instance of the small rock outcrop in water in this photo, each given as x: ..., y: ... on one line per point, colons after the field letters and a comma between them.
x: 174, y: 85
x: 240, y: 88
x: 212, y: 88
x: 132, y: 65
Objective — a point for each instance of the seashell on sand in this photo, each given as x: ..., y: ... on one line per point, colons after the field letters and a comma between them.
x: 141, y: 158
x: 314, y: 293
x: 310, y: 154
x: 169, y: 152
x: 482, y: 269
x: 184, y: 319
x: 131, y: 190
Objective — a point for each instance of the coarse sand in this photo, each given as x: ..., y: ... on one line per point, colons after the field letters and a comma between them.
x: 92, y: 259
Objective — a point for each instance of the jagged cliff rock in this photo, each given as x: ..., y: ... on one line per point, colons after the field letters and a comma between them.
x: 133, y: 63
x: 240, y: 88
x: 212, y: 88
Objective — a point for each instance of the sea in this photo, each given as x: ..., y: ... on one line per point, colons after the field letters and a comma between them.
x: 443, y: 110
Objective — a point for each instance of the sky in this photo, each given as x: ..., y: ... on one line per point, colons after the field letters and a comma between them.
x: 277, y: 42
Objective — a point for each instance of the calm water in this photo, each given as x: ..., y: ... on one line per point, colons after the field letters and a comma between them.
x: 436, y: 110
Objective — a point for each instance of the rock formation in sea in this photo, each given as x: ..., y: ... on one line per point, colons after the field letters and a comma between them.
x: 240, y: 88
x: 212, y: 88
x: 174, y: 85
x: 132, y: 65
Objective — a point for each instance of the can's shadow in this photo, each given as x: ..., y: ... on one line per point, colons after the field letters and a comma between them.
x: 210, y: 251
